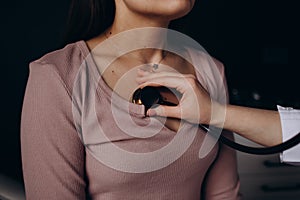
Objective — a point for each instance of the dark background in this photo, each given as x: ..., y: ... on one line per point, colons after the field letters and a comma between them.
x: 257, y: 41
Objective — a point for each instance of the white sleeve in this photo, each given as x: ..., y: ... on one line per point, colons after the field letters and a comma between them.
x: 290, y: 123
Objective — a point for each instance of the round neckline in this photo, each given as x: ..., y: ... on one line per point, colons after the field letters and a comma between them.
x: 121, y: 103
x: 115, y: 98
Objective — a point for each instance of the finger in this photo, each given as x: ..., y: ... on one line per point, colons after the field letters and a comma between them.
x: 165, y: 111
x: 142, y: 72
x: 149, y: 75
x: 145, y: 76
x: 169, y: 82
x: 179, y: 83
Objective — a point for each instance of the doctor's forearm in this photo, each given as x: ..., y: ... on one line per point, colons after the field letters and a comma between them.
x: 258, y: 125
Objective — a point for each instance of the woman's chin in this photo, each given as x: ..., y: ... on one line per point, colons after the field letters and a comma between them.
x: 166, y: 9
x: 176, y: 9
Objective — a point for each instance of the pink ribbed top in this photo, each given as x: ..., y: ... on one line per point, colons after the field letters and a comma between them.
x: 56, y: 164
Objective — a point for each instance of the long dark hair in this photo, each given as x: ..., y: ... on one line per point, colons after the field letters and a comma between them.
x: 88, y: 18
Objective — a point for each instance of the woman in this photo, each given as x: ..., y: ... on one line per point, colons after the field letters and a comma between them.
x: 60, y: 164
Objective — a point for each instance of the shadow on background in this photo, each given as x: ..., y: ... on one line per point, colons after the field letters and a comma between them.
x: 29, y: 29
x: 256, y: 40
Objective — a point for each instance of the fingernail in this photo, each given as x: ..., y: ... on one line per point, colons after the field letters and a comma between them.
x: 141, y: 71
x: 151, y: 112
x: 139, y: 80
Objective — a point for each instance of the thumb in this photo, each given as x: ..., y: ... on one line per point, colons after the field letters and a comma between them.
x: 165, y: 111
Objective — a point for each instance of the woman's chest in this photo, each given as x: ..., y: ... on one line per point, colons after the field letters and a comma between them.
x: 156, y: 168
x: 126, y: 150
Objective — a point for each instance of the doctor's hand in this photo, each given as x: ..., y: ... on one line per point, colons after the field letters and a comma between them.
x: 193, y: 96
x: 258, y: 125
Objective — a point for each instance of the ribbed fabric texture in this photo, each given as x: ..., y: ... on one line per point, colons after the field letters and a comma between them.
x: 56, y: 164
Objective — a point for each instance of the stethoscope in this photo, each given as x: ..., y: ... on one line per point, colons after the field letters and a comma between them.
x: 256, y: 150
x: 150, y: 96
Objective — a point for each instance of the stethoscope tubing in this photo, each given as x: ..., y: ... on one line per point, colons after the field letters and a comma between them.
x: 254, y: 150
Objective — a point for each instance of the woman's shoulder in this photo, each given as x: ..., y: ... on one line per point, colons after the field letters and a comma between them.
x: 210, y: 73
x: 65, y: 62
x: 200, y: 55
x: 73, y: 53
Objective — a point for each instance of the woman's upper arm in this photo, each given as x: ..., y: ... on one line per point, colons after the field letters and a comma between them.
x: 222, y: 181
x: 53, y: 156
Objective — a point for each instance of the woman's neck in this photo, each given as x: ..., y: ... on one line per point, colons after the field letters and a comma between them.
x: 125, y: 21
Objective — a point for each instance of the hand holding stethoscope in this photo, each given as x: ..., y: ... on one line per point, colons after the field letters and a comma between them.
x: 261, y: 126
x: 192, y: 93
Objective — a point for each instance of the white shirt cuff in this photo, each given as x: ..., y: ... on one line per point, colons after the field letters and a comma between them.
x: 290, y: 123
